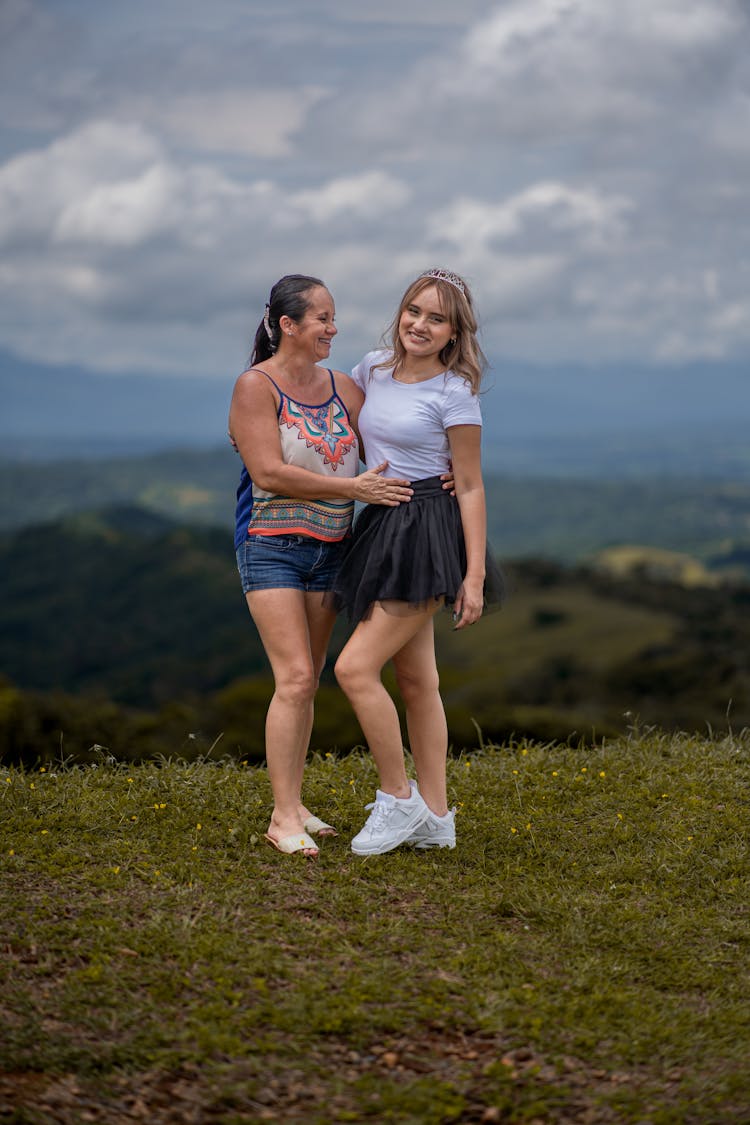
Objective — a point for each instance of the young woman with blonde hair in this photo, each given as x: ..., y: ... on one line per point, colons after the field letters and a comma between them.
x: 402, y: 564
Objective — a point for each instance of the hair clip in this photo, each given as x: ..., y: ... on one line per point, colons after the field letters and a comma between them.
x: 267, y: 323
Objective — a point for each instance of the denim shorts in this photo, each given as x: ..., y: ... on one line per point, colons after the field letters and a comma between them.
x: 287, y: 562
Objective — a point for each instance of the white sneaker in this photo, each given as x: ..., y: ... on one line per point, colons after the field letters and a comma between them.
x: 391, y: 822
x: 435, y: 831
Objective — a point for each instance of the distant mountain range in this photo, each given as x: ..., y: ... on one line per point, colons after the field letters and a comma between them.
x: 615, y: 422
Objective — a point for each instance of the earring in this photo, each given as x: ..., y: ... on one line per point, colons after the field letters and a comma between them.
x: 452, y: 341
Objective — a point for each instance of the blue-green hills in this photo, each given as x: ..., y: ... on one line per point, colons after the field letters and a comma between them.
x: 123, y: 630
x: 547, y: 513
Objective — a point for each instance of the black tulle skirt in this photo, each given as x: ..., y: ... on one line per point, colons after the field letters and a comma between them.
x: 412, y: 554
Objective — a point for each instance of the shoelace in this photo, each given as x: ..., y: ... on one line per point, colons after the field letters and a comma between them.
x: 378, y: 818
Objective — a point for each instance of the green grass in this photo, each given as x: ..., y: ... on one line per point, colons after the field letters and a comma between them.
x: 583, y: 955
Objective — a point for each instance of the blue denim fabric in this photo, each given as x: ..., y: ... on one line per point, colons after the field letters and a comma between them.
x: 287, y: 562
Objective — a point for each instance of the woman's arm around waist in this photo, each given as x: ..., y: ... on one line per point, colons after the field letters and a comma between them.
x: 254, y: 431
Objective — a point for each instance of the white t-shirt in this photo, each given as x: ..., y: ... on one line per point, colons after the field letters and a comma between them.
x: 405, y: 423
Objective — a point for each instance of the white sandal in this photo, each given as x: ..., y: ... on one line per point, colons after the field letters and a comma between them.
x: 314, y: 824
x: 298, y: 842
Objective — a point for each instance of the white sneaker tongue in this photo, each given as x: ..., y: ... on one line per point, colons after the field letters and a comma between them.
x: 386, y: 798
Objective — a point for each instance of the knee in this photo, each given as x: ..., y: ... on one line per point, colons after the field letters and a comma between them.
x: 341, y: 671
x: 348, y: 673
x: 414, y: 687
x: 298, y: 685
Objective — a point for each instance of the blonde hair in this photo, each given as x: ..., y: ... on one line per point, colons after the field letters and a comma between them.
x: 464, y: 356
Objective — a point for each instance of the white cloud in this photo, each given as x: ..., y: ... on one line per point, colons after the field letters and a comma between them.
x: 584, y: 163
x: 114, y: 185
x: 592, y: 218
x: 567, y: 43
x: 119, y: 233
x: 255, y: 122
x: 35, y: 185
x: 729, y: 326
x: 366, y: 196
x: 121, y: 214
x: 512, y: 27
x: 562, y: 72
x: 677, y: 23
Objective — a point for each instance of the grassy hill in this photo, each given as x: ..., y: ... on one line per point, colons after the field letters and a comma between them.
x: 121, y: 629
x: 579, y: 958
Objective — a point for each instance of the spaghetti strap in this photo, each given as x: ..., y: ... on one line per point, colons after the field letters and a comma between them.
x: 269, y: 377
x: 278, y: 388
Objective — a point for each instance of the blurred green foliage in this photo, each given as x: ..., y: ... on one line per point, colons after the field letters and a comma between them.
x: 125, y: 634
x: 552, y: 516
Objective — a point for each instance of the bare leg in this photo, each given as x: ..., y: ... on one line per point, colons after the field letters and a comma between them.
x: 358, y: 669
x: 418, y: 682
x: 295, y: 629
x: 320, y: 622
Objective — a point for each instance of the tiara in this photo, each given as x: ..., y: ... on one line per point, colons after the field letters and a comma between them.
x: 446, y: 275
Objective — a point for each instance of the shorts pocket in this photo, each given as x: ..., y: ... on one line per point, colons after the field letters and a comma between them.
x: 275, y: 542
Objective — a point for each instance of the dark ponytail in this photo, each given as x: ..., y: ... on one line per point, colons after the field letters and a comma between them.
x: 288, y: 298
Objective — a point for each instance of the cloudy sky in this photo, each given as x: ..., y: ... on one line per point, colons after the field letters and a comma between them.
x: 585, y: 163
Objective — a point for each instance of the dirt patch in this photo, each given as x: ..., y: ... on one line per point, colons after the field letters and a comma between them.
x: 346, y: 1082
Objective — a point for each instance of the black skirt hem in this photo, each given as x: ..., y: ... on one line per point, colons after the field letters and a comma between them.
x: 411, y: 555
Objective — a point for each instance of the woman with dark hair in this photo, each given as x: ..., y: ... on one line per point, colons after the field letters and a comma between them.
x: 293, y: 421
x: 401, y: 564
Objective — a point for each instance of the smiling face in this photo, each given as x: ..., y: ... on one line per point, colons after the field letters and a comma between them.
x: 423, y: 328
x: 317, y: 328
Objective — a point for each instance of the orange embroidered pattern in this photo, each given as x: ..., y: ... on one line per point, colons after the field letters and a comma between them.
x: 326, y: 428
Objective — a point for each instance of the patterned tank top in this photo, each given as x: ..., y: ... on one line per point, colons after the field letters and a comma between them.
x: 320, y: 439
